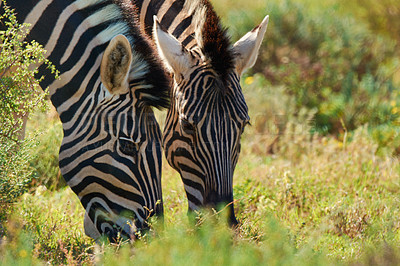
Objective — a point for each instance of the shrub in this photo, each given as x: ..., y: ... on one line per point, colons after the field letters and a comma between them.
x: 277, y: 125
x: 381, y: 16
x: 45, y: 157
x: 20, y: 95
x: 326, y: 59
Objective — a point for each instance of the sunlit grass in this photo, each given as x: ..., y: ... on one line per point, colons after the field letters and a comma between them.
x: 314, y: 200
x: 299, y: 198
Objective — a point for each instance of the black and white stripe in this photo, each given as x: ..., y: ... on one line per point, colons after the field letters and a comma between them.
x: 110, y: 154
x: 208, y: 111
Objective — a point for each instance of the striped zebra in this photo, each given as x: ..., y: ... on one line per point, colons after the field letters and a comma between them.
x: 208, y: 112
x: 110, y: 78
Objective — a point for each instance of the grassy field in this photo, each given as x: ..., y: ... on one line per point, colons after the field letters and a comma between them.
x: 316, y: 200
x: 302, y: 196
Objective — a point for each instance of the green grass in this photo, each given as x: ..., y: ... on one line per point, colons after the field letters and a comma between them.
x: 48, y: 128
x: 309, y: 200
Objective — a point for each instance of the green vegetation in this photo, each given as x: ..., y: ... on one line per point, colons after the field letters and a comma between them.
x: 318, y: 180
x: 45, y: 155
x: 20, y: 95
x: 331, y: 62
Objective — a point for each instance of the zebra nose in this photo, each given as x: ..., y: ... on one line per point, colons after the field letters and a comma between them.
x: 228, y: 209
x: 231, y: 218
x: 212, y: 199
x: 222, y: 203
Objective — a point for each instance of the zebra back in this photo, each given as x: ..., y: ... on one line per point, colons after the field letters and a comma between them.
x: 110, y: 78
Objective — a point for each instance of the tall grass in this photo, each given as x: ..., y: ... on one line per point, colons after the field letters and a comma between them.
x: 309, y: 200
x: 45, y: 156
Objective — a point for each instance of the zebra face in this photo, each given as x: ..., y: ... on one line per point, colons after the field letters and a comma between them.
x: 119, y: 181
x: 202, y: 136
x: 208, y: 113
x: 112, y: 160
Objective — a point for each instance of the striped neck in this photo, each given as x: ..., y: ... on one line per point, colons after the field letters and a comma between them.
x: 195, y: 24
x: 75, y: 34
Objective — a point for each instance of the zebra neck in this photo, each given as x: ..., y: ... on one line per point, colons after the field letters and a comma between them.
x: 196, y: 25
x: 74, y: 34
x: 180, y: 18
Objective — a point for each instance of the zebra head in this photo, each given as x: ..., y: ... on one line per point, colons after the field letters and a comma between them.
x: 208, y: 111
x: 112, y: 160
x: 110, y: 79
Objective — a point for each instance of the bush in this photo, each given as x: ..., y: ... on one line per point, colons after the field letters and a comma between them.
x: 325, y: 58
x: 45, y: 157
x: 381, y: 16
x: 20, y: 95
x: 277, y: 125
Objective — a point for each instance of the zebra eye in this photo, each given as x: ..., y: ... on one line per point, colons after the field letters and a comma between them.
x: 187, y: 127
x: 128, y: 147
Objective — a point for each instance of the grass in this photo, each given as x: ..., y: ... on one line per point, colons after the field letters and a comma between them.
x: 309, y: 200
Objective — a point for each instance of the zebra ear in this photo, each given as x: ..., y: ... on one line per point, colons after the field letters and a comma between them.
x: 175, y: 57
x: 246, y: 49
x: 115, y: 65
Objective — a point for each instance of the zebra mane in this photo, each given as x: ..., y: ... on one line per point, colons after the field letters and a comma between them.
x: 213, y: 39
x: 156, y: 90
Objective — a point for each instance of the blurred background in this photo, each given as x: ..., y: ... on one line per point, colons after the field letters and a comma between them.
x: 334, y: 62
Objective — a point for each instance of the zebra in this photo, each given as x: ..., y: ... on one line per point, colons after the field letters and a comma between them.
x: 110, y: 79
x: 208, y: 112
